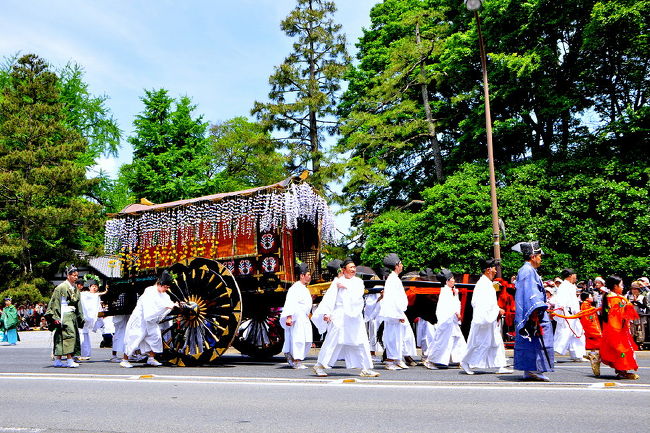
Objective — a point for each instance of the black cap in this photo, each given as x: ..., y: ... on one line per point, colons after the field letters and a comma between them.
x: 71, y: 270
x: 488, y: 263
x: 427, y: 273
x: 346, y: 262
x: 444, y: 275
x: 166, y: 279
x: 303, y: 268
x: 391, y: 260
x: 334, y: 266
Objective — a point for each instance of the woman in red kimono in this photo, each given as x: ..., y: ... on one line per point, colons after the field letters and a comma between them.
x: 593, y: 334
x: 617, y: 347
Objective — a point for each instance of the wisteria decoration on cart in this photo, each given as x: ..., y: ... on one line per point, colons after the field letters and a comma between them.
x: 265, y: 209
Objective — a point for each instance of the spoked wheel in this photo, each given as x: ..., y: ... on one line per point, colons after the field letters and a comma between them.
x: 260, y: 334
x: 211, y: 313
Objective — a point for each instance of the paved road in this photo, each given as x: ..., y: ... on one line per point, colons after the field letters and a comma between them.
x: 238, y: 394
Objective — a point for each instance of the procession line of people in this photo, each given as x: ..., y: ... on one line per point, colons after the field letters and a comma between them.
x: 340, y: 316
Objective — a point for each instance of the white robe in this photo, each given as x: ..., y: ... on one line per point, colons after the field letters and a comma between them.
x: 346, y: 332
x: 90, y: 305
x: 370, y: 312
x: 426, y: 332
x: 142, y: 330
x: 297, y: 337
x: 119, y: 323
x: 448, y: 343
x: 569, y: 335
x: 391, y: 311
x: 485, y: 347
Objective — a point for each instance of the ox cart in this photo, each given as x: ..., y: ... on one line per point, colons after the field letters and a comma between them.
x: 232, y: 256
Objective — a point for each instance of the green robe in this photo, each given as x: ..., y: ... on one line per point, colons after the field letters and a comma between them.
x: 9, y: 318
x: 66, y: 337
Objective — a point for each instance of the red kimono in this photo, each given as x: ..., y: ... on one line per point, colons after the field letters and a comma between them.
x: 617, y: 346
x: 591, y: 326
x: 507, y: 302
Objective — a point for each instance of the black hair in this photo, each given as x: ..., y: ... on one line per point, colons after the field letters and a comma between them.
x: 584, y: 296
x: 566, y: 273
x: 610, y: 282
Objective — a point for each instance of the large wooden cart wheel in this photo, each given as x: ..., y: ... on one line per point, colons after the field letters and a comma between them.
x: 260, y: 334
x: 206, y: 325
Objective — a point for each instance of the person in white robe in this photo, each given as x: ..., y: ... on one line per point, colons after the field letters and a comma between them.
x: 340, y: 314
x: 485, y: 347
x: 569, y: 334
x: 91, y: 306
x: 370, y: 313
x: 295, y: 320
x: 448, y: 344
x: 398, y: 334
x: 142, y: 330
x: 425, y: 330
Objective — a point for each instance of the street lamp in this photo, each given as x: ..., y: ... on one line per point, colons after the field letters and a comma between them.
x: 474, y: 6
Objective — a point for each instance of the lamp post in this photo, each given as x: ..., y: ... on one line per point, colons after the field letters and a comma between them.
x: 474, y: 6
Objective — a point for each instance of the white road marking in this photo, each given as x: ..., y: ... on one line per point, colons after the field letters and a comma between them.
x: 329, y: 382
x: 21, y: 429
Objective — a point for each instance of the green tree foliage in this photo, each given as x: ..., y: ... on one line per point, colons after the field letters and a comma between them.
x: 563, y: 84
x: 244, y: 155
x: 304, y: 87
x: 388, y: 122
x: 88, y: 115
x: 113, y: 194
x: 617, y: 43
x: 24, y: 293
x: 170, y: 150
x: 42, y: 183
x: 592, y: 218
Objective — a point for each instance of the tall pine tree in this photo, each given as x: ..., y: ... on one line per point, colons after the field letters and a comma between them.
x: 170, y: 151
x: 41, y: 182
x: 304, y: 87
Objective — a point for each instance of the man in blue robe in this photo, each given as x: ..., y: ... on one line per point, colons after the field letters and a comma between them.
x: 534, y: 333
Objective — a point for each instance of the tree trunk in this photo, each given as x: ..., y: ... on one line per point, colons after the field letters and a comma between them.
x: 313, y: 124
x: 431, y: 124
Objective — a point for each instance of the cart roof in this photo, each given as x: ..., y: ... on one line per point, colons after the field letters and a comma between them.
x: 139, y: 207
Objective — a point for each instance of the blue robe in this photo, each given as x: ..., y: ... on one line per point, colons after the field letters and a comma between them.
x: 530, y: 297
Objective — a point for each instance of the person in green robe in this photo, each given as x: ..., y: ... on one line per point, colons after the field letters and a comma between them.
x: 65, y: 316
x: 9, y: 321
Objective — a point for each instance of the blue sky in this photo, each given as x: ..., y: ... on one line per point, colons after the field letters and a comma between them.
x: 220, y: 53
